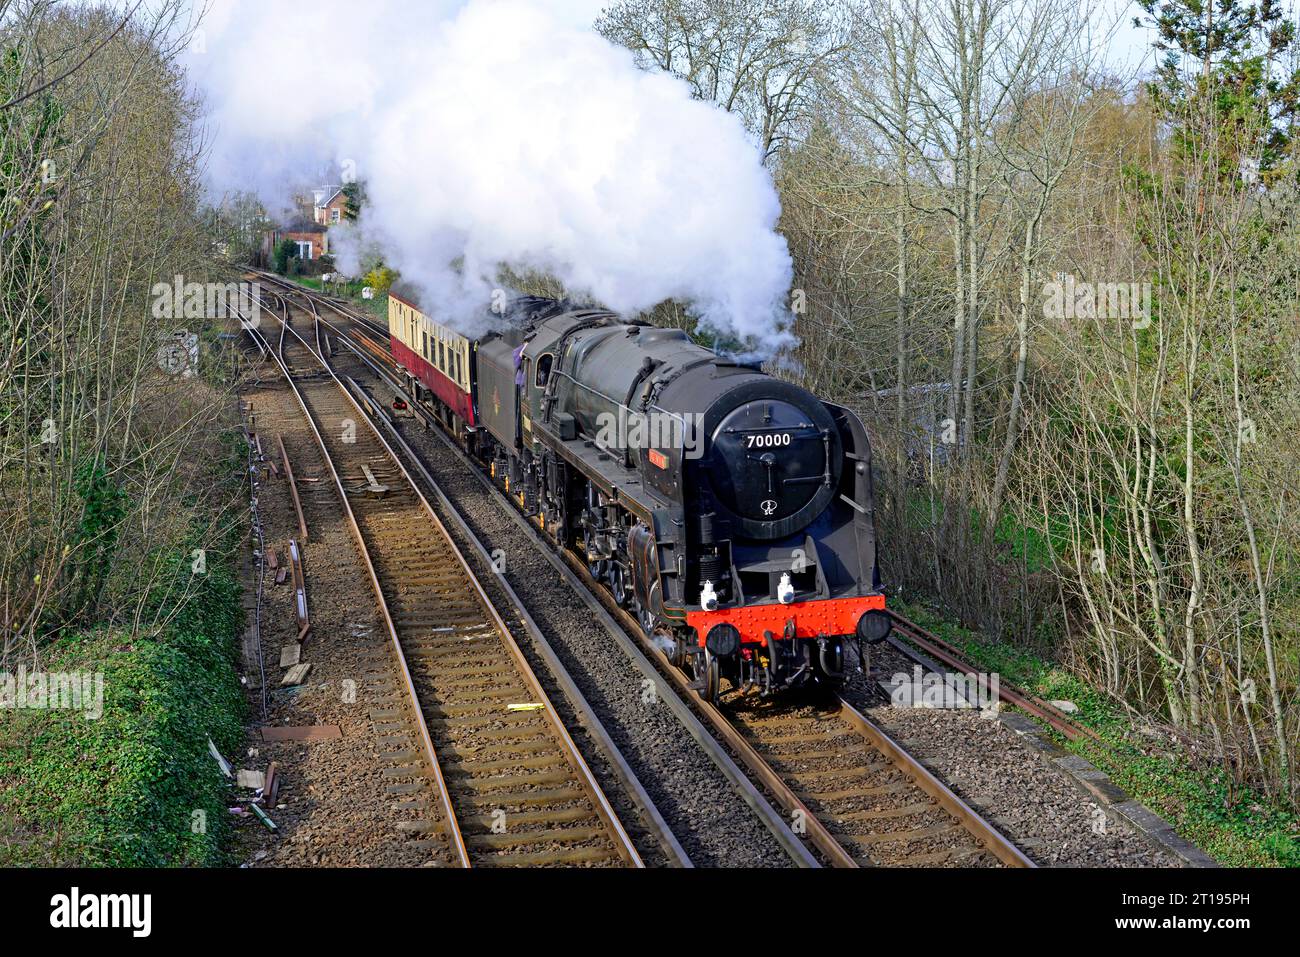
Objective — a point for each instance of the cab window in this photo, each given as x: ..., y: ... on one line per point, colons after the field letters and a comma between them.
x: 544, y: 370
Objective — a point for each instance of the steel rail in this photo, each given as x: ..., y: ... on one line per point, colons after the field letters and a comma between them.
x: 937, y: 648
x: 970, y: 819
x: 293, y: 490
x: 629, y: 629
x: 455, y: 838
x: 619, y: 837
x: 372, y: 324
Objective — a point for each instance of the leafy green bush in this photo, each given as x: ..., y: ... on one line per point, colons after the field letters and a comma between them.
x: 136, y: 787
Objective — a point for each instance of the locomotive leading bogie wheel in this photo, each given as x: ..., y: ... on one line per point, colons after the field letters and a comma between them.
x: 678, y: 658
x: 712, y: 691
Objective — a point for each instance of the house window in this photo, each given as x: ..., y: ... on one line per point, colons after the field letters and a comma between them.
x: 334, y: 215
x: 304, y: 249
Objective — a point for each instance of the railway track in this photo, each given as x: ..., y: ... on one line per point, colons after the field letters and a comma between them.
x: 916, y: 639
x: 845, y: 787
x: 477, y: 753
x: 854, y: 793
x: 875, y: 804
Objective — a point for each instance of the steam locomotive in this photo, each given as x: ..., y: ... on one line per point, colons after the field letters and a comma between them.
x: 730, y: 511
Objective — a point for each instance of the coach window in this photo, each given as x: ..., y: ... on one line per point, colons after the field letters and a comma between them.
x: 544, y: 370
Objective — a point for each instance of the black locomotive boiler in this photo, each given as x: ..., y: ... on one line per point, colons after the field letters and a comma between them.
x: 731, y: 511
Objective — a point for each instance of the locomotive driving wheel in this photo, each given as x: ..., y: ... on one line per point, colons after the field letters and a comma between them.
x: 597, y: 566
x: 618, y: 584
x: 645, y: 618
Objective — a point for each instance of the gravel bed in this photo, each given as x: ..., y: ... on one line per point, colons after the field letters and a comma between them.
x: 709, y: 819
x: 1036, y: 805
x: 333, y: 809
x: 827, y: 743
x: 1051, y: 819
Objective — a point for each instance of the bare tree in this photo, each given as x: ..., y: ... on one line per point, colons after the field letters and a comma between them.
x: 761, y: 60
x: 102, y: 453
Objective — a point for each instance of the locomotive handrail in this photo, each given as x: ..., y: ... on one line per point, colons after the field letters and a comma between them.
x: 654, y: 406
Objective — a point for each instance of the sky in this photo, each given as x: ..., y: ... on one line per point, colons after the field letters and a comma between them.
x: 1130, y: 45
x: 488, y: 101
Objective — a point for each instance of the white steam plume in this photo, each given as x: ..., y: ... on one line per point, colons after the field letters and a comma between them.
x: 498, y: 132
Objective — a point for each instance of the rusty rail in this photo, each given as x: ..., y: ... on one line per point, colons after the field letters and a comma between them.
x: 942, y: 651
x: 293, y: 489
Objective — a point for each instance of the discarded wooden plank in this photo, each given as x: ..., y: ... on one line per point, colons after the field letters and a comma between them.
x: 302, y: 635
x: 295, y: 675
x: 290, y: 655
x: 273, y: 559
x: 271, y: 789
x: 250, y: 652
x: 250, y: 779
x: 282, y: 576
x: 305, y: 733
x: 293, y: 489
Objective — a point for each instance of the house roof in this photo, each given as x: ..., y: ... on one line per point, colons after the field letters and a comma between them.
x: 301, y: 224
